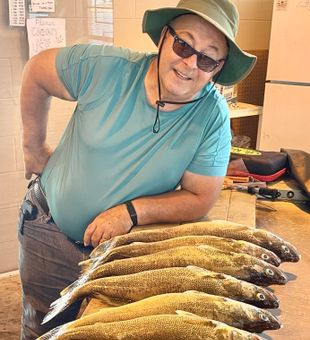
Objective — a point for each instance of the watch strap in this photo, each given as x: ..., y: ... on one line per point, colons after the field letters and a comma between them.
x: 132, y: 213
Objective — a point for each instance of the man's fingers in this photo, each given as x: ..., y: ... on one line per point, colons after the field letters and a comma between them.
x: 98, y: 236
x: 88, y: 234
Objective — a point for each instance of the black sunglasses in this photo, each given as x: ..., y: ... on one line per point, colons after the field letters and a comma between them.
x: 184, y: 50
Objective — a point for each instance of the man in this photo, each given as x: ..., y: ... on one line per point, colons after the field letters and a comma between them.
x: 144, y: 124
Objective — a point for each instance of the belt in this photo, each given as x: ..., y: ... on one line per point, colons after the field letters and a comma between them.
x: 39, y: 195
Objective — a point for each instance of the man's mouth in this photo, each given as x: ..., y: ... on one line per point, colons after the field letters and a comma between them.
x: 182, y: 75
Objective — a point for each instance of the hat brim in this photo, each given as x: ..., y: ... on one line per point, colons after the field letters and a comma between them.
x: 238, y: 64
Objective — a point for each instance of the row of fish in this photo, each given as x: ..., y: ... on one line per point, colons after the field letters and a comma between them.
x: 227, y: 311
x: 179, y: 326
x: 261, y: 237
x: 206, y: 271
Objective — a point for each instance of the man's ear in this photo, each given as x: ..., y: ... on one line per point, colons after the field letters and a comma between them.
x: 162, y: 35
x: 220, y: 67
x: 218, y: 71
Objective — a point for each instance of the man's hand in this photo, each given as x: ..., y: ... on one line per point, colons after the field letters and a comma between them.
x: 35, y: 159
x: 110, y: 223
x: 40, y: 82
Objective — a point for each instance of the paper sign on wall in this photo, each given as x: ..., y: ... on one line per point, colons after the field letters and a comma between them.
x: 44, y: 33
x: 42, y: 6
x: 17, y: 12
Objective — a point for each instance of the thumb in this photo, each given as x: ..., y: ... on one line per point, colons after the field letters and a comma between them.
x: 28, y: 174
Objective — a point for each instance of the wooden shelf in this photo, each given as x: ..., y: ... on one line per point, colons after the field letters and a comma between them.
x: 240, y: 109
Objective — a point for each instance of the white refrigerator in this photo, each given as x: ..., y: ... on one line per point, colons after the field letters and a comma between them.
x: 285, y: 121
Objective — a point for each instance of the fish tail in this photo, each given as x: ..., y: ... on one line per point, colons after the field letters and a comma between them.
x: 91, y: 264
x: 85, y: 265
x: 77, y: 283
x: 59, y: 306
x: 103, y: 247
x: 53, y: 333
x: 69, y: 295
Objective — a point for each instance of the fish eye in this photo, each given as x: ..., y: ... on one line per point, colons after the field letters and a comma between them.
x: 261, y: 296
x: 286, y: 249
x: 263, y: 317
x: 265, y: 257
x: 269, y: 272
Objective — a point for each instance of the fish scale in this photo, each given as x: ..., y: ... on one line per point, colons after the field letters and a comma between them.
x: 231, y: 312
x: 181, y: 326
x: 239, y: 265
x: 138, y: 286
x: 142, y: 248
x: 283, y: 249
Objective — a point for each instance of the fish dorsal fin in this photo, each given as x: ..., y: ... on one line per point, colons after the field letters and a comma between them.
x: 204, y: 272
x: 110, y: 301
x: 185, y: 313
x: 237, y: 226
x: 194, y: 292
x: 192, y: 318
x: 206, y: 248
x: 198, y: 270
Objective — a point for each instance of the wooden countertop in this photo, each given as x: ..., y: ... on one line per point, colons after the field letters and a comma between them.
x: 289, y: 221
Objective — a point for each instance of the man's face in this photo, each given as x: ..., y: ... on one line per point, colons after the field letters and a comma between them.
x: 181, y: 79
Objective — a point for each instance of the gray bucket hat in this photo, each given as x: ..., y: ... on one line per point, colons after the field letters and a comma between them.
x: 220, y: 13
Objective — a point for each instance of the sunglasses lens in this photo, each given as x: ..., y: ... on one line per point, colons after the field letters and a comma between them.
x: 182, y: 49
x: 206, y: 64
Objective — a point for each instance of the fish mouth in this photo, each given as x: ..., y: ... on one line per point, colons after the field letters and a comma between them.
x: 261, y: 326
x: 268, y: 303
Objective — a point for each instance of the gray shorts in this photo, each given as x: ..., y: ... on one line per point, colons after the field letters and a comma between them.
x: 48, y: 262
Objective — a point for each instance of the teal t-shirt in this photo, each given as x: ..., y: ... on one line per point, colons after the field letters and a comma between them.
x: 108, y: 153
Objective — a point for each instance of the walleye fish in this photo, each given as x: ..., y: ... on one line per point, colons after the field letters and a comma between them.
x: 181, y: 326
x: 261, y: 237
x: 134, y: 287
x: 234, y: 313
x: 142, y: 248
x: 241, y: 266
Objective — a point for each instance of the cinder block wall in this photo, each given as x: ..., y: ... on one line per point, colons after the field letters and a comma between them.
x: 13, y: 56
x: 253, y: 34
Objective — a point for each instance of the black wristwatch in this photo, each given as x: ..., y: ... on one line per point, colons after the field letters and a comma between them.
x: 132, y: 213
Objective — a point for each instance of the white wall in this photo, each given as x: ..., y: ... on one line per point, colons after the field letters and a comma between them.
x: 254, y: 30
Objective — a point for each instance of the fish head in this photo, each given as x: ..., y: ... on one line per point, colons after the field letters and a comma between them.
x: 262, y: 320
x: 285, y: 250
x: 272, y: 321
x: 276, y: 275
x: 289, y: 253
x: 270, y: 257
x: 264, y: 274
x: 223, y: 331
x: 265, y: 298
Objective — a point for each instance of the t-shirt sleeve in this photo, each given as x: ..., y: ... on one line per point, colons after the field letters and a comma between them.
x: 212, y: 156
x: 70, y: 68
x: 86, y: 69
